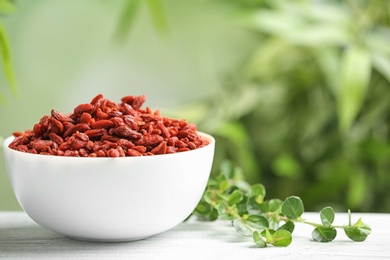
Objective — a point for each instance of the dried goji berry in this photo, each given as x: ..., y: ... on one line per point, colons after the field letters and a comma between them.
x: 56, y: 138
x: 149, y: 139
x: 76, y: 128
x: 56, y: 126
x: 83, y: 108
x: 95, y: 132
x: 85, y: 118
x: 104, y: 128
x: 133, y: 152
x: 104, y: 123
x: 126, y: 131
x: 160, y: 149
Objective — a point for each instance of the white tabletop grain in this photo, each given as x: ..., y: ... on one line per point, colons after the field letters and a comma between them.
x: 21, y: 238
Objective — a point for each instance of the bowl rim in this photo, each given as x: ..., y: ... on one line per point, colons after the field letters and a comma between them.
x: 9, y: 139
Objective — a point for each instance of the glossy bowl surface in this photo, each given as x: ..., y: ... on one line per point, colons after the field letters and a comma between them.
x: 109, y: 199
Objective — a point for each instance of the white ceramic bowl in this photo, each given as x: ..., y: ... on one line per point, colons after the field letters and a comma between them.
x: 109, y: 199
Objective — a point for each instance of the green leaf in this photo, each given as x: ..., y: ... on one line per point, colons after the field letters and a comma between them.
x: 324, y: 234
x: 382, y: 64
x: 274, y: 223
x: 292, y: 207
x: 281, y: 238
x: 213, y: 215
x: 242, y: 228
x: 236, y: 197
x: 212, y: 183
x: 317, y: 35
x: 258, y: 190
x: 268, y: 235
x: 222, y: 208
x: 277, y: 23
x: 224, y: 185
x: 358, y: 232
x: 158, y: 15
x: 6, y: 58
x: 264, y: 207
x: 205, y: 211
x: 327, y: 216
x: 126, y: 20
x: 242, y: 207
x: 203, y: 208
x: 378, y: 41
x: 6, y: 7
x: 303, y: 24
x: 289, y: 226
x: 354, y: 80
x: 268, y: 232
x: 223, y: 196
x: 258, y: 239
x: 272, y: 205
x: 207, y: 196
x: 252, y: 206
x: 328, y: 59
x: 257, y: 221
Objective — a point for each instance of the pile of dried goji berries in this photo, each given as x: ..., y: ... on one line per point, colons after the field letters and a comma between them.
x: 104, y: 128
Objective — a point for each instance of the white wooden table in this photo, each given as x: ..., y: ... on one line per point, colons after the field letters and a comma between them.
x: 21, y: 238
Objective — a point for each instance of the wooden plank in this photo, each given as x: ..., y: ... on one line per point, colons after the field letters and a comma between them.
x: 20, y: 238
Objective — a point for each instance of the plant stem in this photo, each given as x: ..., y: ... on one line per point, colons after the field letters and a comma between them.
x: 303, y: 221
x: 349, y: 218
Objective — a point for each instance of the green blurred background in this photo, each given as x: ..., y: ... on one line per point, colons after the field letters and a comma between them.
x: 297, y: 93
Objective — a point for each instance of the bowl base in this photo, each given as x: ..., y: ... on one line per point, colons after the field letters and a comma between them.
x: 109, y: 240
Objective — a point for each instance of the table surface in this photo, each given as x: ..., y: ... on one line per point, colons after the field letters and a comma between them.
x: 21, y: 238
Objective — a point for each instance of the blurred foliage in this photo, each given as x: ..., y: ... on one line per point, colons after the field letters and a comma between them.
x: 6, y: 7
x: 308, y: 112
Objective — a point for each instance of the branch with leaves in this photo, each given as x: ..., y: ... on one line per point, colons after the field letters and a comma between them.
x: 268, y: 222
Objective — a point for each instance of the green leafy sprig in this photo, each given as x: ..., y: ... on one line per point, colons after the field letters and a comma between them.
x: 268, y: 222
